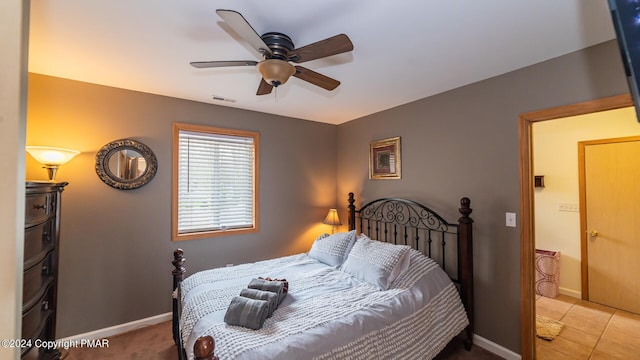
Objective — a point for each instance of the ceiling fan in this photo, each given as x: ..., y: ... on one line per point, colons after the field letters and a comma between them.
x: 278, y: 50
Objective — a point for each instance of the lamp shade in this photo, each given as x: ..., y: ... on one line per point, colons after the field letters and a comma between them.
x: 51, y: 156
x: 275, y: 72
x: 332, y: 218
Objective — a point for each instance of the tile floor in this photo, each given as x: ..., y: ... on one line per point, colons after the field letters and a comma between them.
x: 590, y: 331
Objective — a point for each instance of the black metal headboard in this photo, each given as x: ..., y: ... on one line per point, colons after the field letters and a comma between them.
x: 406, y: 222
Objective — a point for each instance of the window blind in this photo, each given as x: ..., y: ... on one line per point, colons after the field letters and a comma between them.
x: 215, y: 182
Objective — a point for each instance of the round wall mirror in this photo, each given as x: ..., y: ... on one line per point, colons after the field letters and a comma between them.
x: 126, y: 164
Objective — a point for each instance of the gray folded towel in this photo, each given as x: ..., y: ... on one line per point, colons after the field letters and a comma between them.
x: 269, y: 285
x: 246, y: 312
x: 270, y: 297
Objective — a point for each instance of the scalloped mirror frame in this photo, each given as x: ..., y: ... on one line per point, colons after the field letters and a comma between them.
x: 108, y: 177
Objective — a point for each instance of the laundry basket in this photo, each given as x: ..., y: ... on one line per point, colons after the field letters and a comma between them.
x: 547, y: 272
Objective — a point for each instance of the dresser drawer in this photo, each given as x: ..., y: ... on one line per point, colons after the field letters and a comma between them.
x: 36, y: 278
x: 41, y: 353
x: 38, y: 240
x: 35, y: 318
x: 38, y: 207
x: 33, y: 352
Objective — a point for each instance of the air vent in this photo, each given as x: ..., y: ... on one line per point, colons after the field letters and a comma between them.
x: 220, y: 98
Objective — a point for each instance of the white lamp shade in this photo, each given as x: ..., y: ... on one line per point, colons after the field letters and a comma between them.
x: 332, y: 218
x: 51, y: 156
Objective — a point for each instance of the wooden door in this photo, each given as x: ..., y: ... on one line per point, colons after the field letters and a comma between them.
x: 610, y: 220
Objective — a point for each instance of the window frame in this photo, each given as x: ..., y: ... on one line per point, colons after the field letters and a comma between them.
x: 177, y: 127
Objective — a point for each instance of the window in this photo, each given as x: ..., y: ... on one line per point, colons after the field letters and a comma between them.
x: 215, y: 177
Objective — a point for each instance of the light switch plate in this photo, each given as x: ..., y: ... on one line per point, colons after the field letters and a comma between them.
x: 511, y: 219
x: 570, y: 207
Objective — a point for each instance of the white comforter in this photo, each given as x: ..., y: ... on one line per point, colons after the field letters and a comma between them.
x: 328, y: 314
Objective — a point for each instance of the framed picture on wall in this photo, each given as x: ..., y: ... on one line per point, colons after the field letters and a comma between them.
x: 385, y: 159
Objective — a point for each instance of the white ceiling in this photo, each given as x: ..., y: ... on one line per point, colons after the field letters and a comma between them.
x: 404, y: 50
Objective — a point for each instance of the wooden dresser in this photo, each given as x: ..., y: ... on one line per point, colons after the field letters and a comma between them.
x: 40, y: 278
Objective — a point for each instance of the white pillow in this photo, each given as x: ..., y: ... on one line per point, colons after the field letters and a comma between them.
x: 333, y: 249
x: 376, y: 262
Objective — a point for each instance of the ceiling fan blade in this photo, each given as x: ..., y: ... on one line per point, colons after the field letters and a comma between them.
x: 211, y: 64
x: 330, y: 46
x: 241, y: 26
x: 264, y: 88
x: 315, y: 78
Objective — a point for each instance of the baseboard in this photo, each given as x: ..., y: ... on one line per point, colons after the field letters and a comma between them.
x: 120, y: 329
x: 495, y: 348
x: 569, y: 292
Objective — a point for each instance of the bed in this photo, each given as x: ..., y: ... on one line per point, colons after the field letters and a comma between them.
x: 378, y: 297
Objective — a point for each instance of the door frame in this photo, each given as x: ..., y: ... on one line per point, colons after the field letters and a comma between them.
x: 527, y: 244
x: 583, y: 204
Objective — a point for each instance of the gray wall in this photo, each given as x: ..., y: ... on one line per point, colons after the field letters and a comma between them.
x: 116, y: 246
x: 465, y: 143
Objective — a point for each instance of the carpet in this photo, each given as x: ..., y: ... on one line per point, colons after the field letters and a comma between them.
x: 155, y: 342
x: 546, y: 328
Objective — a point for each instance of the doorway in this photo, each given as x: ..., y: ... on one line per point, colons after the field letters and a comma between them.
x: 527, y: 234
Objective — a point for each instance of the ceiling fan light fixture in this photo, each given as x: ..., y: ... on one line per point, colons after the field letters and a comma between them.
x: 275, y: 72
